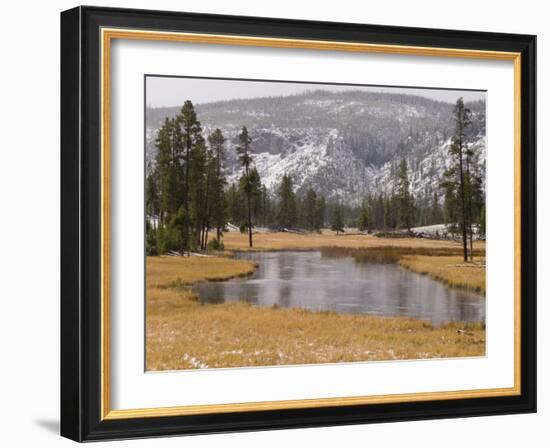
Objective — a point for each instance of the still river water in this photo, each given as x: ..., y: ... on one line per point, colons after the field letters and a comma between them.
x: 309, y: 280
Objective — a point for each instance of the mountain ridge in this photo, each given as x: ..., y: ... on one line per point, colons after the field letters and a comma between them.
x: 338, y: 143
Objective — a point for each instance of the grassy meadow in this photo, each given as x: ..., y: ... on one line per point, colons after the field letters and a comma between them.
x: 328, y: 238
x: 451, y: 270
x: 182, y: 333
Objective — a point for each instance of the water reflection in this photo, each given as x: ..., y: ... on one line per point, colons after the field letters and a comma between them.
x: 308, y: 280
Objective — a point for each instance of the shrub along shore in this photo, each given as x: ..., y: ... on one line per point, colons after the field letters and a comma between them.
x: 183, y: 334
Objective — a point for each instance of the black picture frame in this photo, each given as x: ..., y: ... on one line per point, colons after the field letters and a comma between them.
x: 81, y: 216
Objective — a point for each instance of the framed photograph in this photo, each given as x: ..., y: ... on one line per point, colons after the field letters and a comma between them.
x: 273, y: 224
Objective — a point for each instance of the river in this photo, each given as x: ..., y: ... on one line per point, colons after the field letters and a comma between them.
x: 312, y: 281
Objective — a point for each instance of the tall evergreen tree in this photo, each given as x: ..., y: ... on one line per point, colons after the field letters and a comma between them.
x: 403, y: 197
x: 337, y: 224
x: 192, y: 145
x: 456, y: 181
x: 254, y: 186
x: 474, y: 192
x: 287, y: 216
x: 246, y: 181
x: 264, y: 207
x: 198, y: 192
x: 236, y: 208
x: 391, y: 211
x: 167, y: 179
x: 152, y: 204
x: 168, y: 169
x: 309, y: 210
x: 363, y: 221
x: 217, y: 141
x: 451, y: 207
x: 435, y: 214
x: 211, y: 197
x: 320, y: 210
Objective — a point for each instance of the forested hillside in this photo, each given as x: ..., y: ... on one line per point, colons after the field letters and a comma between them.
x: 320, y: 159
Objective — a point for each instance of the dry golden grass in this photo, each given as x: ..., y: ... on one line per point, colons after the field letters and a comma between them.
x: 167, y: 271
x: 309, y: 241
x: 183, y: 334
x: 452, y: 270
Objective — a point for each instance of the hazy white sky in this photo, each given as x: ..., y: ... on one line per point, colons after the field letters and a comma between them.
x: 172, y: 91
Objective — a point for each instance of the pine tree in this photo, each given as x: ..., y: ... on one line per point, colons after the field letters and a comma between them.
x: 436, y: 214
x: 380, y: 211
x: 308, y: 209
x: 151, y: 239
x: 363, y: 221
x: 474, y: 192
x: 337, y: 218
x: 457, y: 183
x: 255, y: 188
x: 236, y: 209
x: 164, y: 186
x: 403, y: 197
x: 245, y: 160
x: 218, y: 206
x: 264, y: 207
x: 451, y: 207
x: 198, y: 192
x: 320, y: 210
x: 391, y: 211
x: 287, y: 216
x: 192, y: 144
x: 211, y: 198
x: 168, y: 169
x: 152, y: 199
x: 175, y: 231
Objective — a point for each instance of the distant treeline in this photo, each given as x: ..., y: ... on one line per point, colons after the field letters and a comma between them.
x: 188, y: 197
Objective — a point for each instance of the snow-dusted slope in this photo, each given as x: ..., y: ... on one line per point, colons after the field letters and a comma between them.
x: 425, y: 172
x: 337, y: 143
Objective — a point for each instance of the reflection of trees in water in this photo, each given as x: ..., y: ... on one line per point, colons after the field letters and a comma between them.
x: 466, y: 309
x: 304, y: 279
x: 285, y: 293
x: 286, y: 266
x: 402, y: 294
x: 210, y: 292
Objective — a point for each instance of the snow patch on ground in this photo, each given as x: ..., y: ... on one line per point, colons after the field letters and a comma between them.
x: 194, y: 362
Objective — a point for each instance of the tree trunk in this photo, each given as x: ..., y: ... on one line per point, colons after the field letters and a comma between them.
x: 249, y: 221
x: 248, y: 193
x: 463, y: 204
x: 471, y: 243
x: 470, y: 207
x: 206, y: 236
x: 187, y: 237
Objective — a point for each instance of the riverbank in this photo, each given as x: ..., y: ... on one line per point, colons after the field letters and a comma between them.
x: 172, y: 272
x: 451, y: 270
x: 183, y: 334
